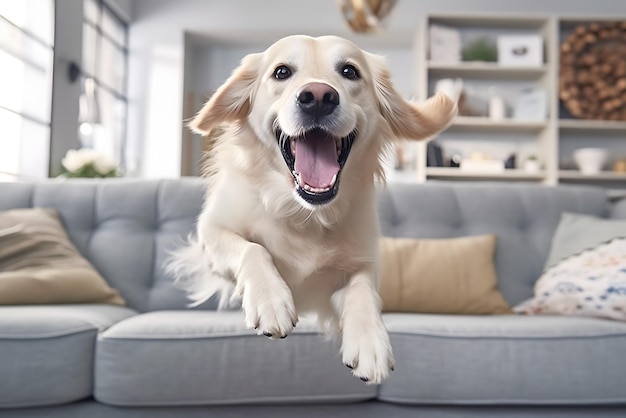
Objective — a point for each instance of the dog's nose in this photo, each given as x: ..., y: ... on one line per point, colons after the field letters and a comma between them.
x: 318, y: 99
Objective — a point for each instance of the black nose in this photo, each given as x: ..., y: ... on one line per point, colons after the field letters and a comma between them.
x: 318, y: 99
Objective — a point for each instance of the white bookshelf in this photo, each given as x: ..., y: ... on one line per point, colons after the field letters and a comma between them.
x: 552, y: 140
x: 460, y: 174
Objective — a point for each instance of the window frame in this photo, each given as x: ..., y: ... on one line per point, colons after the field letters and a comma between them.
x: 102, y: 5
x: 43, y: 43
x: 49, y: 46
x: 101, y: 33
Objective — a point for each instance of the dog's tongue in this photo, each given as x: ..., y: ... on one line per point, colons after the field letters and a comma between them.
x: 316, y: 159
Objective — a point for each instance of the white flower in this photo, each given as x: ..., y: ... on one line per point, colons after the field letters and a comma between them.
x: 75, y: 160
x: 104, y: 164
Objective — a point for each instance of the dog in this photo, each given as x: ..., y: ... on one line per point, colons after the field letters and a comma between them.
x: 289, y: 224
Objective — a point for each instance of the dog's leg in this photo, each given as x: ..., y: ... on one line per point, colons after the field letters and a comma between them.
x: 365, y: 345
x: 267, y: 301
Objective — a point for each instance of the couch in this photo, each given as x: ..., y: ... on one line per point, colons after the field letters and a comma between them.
x: 156, y: 357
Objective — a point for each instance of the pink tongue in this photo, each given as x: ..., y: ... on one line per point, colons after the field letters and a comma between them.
x: 316, y: 159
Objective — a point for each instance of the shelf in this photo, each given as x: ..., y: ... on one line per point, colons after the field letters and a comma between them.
x: 574, y: 125
x: 489, y: 20
x: 456, y: 173
x: 480, y: 124
x: 491, y: 70
x: 602, y: 176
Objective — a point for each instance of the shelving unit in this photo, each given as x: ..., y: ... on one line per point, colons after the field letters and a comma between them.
x: 486, y: 70
x: 552, y: 140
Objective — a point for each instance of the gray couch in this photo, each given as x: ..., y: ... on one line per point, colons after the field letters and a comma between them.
x: 157, y: 358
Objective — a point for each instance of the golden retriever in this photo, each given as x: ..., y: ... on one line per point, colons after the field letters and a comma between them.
x: 289, y: 223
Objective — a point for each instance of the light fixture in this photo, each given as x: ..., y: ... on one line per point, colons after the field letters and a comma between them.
x: 89, y: 106
x: 366, y: 16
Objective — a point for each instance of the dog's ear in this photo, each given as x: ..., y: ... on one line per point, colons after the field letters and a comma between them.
x: 409, y: 120
x: 231, y: 102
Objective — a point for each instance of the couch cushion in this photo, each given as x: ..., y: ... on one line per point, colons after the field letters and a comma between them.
x: 200, y: 357
x: 448, y: 276
x: 47, y: 351
x: 505, y: 360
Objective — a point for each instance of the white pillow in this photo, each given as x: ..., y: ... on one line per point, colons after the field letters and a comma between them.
x: 590, y: 283
x: 577, y: 232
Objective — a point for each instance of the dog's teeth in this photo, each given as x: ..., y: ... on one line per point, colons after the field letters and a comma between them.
x: 293, y: 147
x: 297, y: 177
x: 332, y: 181
x: 315, y: 189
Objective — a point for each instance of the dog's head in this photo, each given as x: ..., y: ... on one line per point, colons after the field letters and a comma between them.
x: 324, y: 106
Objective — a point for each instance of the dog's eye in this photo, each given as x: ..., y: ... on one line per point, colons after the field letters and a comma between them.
x: 282, y: 72
x: 349, y: 72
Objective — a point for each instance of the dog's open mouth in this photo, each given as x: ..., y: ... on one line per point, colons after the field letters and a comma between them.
x: 315, y: 160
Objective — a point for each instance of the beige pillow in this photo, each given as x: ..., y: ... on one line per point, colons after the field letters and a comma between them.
x: 40, y: 265
x: 446, y: 276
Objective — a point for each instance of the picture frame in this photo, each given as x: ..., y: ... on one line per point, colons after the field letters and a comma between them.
x: 445, y: 44
x: 531, y: 105
x: 520, y: 50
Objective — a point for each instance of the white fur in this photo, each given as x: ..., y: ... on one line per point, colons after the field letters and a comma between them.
x: 258, y: 240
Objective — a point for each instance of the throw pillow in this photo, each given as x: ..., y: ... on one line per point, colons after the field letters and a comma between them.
x: 590, y: 283
x: 40, y: 265
x: 576, y: 233
x: 449, y: 276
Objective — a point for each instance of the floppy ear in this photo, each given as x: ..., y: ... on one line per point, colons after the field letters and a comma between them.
x: 409, y: 120
x: 231, y: 102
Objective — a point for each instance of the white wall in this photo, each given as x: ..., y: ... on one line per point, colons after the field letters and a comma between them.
x: 157, y: 46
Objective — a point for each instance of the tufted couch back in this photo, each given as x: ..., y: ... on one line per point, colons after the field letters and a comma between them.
x: 523, y: 217
x: 124, y: 227
x: 127, y: 227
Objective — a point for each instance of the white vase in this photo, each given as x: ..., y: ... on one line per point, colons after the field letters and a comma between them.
x: 532, y: 166
x: 590, y: 160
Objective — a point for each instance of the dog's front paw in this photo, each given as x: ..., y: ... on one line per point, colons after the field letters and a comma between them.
x: 367, y: 350
x: 269, y: 308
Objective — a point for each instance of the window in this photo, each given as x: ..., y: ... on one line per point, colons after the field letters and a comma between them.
x: 103, y: 107
x: 26, y: 59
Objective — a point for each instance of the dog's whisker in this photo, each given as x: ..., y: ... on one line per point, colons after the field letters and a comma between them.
x: 283, y: 138
x: 308, y: 217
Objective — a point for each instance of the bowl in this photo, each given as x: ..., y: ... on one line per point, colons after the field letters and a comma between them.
x: 590, y: 160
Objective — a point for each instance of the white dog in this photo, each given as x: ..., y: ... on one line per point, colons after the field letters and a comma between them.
x: 289, y: 222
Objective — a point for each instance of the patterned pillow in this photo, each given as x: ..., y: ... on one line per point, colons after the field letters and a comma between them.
x: 590, y: 283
